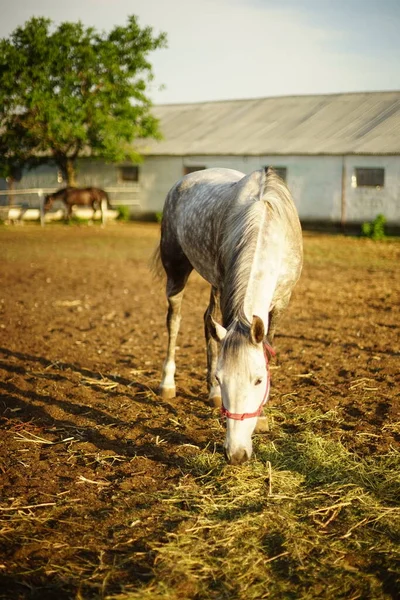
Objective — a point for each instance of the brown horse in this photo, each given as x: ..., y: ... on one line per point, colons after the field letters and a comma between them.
x: 93, y: 197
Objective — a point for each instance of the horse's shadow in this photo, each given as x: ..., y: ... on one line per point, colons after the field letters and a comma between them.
x: 27, y: 406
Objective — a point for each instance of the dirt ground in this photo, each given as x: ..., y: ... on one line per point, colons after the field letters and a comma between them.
x: 84, y: 436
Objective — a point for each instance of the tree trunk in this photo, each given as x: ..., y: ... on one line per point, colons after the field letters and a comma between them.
x: 70, y: 172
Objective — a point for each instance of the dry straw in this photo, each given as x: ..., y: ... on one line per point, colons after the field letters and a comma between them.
x: 306, y: 519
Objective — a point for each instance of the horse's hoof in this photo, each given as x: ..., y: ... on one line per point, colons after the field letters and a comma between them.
x: 262, y: 425
x: 167, y: 393
x: 215, y: 401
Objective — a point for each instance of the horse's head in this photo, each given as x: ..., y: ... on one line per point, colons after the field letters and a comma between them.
x: 48, y: 202
x: 243, y: 376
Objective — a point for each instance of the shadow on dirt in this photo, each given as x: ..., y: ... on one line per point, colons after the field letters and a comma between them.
x: 27, y: 408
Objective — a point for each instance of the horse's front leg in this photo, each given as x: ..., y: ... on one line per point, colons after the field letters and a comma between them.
x: 103, y: 210
x: 274, y: 315
x: 214, y: 390
x: 167, y: 386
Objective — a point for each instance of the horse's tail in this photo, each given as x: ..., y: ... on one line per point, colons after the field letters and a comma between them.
x: 106, y: 197
x: 277, y: 196
x: 155, y: 264
x: 108, y: 201
x: 283, y: 222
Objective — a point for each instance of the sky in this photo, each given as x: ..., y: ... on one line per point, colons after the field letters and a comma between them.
x: 235, y: 49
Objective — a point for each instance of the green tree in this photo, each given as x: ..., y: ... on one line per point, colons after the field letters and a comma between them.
x: 70, y: 91
x: 14, y: 156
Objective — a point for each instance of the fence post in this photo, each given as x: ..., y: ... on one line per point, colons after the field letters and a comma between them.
x: 41, y: 206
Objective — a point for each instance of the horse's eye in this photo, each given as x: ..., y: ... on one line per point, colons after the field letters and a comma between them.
x: 218, y: 380
x: 258, y: 381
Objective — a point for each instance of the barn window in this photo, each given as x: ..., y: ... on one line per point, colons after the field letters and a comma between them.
x: 187, y: 170
x: 281, y: 171
x: 128, y: 173
x: 366, y: 177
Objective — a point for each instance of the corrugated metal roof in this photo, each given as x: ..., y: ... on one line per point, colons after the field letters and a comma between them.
x: 357, y: 123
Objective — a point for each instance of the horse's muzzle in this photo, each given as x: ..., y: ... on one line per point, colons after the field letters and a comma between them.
x: 237, y: 458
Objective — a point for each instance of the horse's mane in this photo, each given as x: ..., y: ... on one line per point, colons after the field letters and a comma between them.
x: 237, y: 260
x: 61, y: 191
x: 247, y: 222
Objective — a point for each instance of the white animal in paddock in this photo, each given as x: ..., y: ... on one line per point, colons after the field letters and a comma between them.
x: 243, y: 235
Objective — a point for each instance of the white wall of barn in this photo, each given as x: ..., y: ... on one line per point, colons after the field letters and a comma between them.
x: 315, y: 182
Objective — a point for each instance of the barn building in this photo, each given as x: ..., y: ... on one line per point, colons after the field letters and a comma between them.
x: 339, y: 153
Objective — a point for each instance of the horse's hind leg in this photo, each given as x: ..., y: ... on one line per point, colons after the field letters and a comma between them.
x: 178, y: 271
x: 214, y: 390
x: 103, y: 209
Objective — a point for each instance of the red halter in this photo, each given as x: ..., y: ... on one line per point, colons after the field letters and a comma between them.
x: 241, y: 416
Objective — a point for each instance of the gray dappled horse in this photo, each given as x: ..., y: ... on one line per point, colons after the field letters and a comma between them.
x: 93, y: 197
x: 243, y: 235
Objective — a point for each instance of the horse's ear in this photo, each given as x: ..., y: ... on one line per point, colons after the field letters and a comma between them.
x: 257, y: 331
x: 215, y: 329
